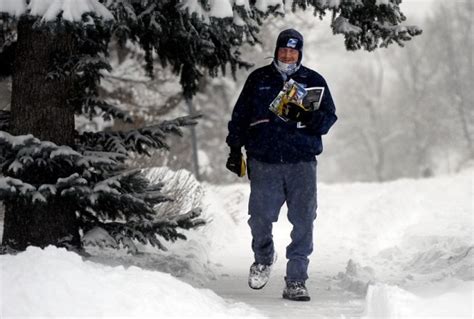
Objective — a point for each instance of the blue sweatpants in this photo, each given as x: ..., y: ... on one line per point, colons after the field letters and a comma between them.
x: 271, y: 185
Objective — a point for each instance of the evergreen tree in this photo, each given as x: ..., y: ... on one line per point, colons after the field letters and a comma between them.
x: 57, y: 183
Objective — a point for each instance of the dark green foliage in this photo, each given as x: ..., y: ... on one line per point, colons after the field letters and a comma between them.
x: 181, y: 40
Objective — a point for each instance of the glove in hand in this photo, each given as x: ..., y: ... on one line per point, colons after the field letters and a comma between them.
x: 296, y: 112
x: 235, y: 163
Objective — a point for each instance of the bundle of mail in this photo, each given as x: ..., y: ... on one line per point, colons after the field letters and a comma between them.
x: 308, y: 99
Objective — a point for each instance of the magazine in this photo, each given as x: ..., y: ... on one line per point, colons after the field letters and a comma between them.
x: 308, y: 98
x: 313, y: 98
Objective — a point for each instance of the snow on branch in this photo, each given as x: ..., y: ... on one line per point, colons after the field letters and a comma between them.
x: 397, y: 33
x: 10, y: 185
x: 342, y: 25
x: 216, y: 8
x: 92, y: 180
x: 17, y: 141
x: 371, y: 25
x: 14, y: 188
x: 49, y: 10
x: 187, y: 192
x: 23, y: 155
x: 98, y: 236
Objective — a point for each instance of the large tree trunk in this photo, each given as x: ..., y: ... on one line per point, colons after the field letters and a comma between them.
x: 39, y: 107
x: 39, y: 104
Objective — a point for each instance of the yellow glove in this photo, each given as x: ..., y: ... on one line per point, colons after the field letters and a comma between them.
x: 236, y: 164
x: 243, y: 168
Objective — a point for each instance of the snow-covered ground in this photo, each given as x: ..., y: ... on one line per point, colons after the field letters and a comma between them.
x: 402, y: 249
x: 391, y: 250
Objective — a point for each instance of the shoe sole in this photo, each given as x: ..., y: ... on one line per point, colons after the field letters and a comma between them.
x: 257, y: 288
x: 275, y: 257
x: 302, y: 298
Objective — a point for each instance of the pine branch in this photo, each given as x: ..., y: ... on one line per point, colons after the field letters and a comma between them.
x: 12, y: 186
x: 173, y: 126
x: 368, y: 25
x: 144, y: 232
x: 127, y: 195
x: 27, y: 158
x: 94, y: 106
x: 189, y: 220
x: 136, y: 140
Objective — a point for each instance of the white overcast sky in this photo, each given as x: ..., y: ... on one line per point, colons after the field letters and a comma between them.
x: 418, y: 8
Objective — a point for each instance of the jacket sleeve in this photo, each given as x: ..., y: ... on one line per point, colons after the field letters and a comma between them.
x: 240, y: 121
x: 325, y: 116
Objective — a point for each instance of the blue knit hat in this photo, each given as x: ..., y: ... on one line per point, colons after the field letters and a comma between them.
x: 290, y: 38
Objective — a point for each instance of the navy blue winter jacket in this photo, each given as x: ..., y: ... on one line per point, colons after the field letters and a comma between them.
x: 268, y: 138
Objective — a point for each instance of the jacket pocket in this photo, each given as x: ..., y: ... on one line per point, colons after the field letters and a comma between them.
x: 259, y: 136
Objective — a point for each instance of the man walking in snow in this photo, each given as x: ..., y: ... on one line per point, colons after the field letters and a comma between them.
x: 281, y: 160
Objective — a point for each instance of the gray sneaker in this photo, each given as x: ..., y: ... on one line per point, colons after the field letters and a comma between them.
x: 260, y: 273
x: 296, y: 290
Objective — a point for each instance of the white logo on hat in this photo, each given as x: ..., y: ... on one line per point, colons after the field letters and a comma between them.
x: 292, y: 43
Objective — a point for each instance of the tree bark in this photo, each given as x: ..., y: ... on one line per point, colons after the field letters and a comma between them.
x: 39, y: 107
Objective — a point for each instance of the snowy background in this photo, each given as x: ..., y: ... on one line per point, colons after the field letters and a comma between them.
x: 394, y: 233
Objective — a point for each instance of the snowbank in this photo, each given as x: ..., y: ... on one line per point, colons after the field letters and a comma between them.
x: 420, y: 229
x: 56, y: 283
